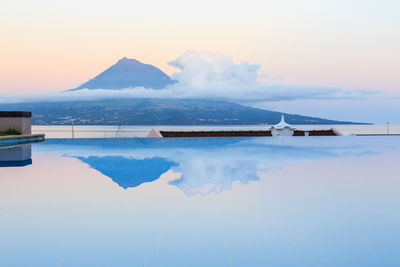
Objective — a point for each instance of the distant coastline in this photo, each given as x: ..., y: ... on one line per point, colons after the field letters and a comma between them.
x: 134, y: 111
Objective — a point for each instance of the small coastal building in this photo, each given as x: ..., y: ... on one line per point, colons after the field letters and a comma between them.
x: 15, y: 130
x: 15, y: 120
x: 282, y: 128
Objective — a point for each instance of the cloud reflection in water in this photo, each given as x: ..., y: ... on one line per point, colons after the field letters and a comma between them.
x: 209, y: 165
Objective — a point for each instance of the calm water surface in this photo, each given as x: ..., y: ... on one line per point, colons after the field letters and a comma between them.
x: 318, y: 201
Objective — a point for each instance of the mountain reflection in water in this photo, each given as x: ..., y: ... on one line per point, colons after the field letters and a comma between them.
x: 128, y: 172
x: 205, y: 165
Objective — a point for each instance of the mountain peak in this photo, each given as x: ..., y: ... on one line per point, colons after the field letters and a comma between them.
x: 128, y: 73
x: 128, y: 60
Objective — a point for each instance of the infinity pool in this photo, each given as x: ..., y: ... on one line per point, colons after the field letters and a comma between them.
x: 318, y: 201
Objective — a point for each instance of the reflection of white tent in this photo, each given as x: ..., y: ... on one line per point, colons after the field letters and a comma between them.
x: 282, y: 128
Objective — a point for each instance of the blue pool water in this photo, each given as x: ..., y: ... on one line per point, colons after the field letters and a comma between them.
x: 318, y: 201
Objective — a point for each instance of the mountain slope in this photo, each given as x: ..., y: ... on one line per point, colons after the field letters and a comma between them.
x: 155, y: 112
x: 128, y: 73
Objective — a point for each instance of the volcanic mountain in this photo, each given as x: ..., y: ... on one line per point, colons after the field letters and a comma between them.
x: 146, y: 111
x: 128, y: 73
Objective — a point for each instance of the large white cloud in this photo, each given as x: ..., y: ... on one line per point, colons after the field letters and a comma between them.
x: 208, y: 76
x: 204, y: 69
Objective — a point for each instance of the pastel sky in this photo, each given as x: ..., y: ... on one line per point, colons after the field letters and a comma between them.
x: 53, y: 45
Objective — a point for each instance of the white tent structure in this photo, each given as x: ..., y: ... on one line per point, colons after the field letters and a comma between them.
x: 282, y: 128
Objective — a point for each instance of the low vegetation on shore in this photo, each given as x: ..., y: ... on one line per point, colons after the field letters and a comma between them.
x: 10, y: 132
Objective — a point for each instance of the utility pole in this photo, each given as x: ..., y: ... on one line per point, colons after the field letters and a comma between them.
x: 72, y: 128
x: 119, y: 126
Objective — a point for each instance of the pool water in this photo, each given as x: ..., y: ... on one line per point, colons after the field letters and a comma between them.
x: 318, y: 201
